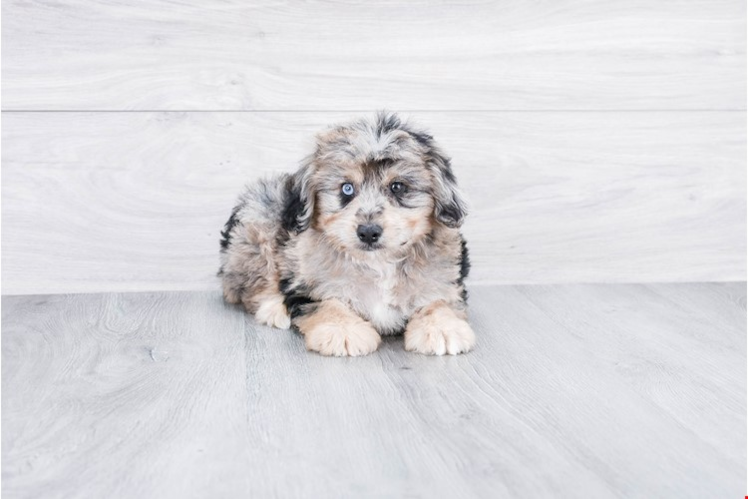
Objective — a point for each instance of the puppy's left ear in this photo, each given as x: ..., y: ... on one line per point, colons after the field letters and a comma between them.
x: 449, y: 207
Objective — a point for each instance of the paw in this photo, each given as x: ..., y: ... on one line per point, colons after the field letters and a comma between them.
x: 440, y: 332
x: 332, y: 339
x: 273, y: 313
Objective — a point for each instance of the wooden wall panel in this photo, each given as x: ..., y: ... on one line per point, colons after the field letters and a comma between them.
x: 135, y: 201
x: 415, y: 55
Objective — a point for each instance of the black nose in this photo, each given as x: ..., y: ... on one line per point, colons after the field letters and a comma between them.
x: 369, y: 233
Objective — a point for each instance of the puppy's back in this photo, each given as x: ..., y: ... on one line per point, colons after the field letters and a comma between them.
x: 250, y: 239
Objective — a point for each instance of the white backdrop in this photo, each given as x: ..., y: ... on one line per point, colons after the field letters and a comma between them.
x: 596, y: 141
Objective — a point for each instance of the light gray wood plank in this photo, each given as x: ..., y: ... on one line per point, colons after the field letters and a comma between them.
x: 424, y: 55
x: 572, y: 391
x: 135, y: 201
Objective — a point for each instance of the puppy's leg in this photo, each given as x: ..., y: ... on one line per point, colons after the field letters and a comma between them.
x: 332, y: 329
x: 269, y: 308
x: 251, y: 274
x: 439, y: 329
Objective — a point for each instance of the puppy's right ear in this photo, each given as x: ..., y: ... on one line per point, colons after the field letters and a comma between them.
x: 299, y: 204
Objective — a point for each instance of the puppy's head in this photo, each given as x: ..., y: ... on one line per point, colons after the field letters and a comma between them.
x: 374, y: 186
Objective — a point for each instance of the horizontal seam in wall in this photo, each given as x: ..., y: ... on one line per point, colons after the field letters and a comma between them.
x: 732, y: 110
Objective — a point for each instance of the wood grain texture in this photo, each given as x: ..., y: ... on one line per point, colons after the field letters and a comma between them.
x: 330, y: 55
x: 135, y: 201
x: 573, y: 391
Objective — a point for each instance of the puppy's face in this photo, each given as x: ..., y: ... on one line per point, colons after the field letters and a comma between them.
x: 377, y: 187
x: 374, y: 204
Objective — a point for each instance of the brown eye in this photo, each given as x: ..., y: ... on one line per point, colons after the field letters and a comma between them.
x: 397, y: 187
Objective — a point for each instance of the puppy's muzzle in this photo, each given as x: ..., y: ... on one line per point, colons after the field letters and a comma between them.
x: 369, y: 233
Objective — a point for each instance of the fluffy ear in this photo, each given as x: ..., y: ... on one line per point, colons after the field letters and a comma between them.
x: 299, y: 204
x: 449, y: 207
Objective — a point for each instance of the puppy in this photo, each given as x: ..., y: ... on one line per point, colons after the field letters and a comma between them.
x: 362, y: 241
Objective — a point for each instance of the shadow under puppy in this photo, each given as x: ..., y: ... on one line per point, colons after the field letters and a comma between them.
x: 361, y: 241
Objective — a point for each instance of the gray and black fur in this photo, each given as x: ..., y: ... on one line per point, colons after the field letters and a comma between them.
x: 346, y: 268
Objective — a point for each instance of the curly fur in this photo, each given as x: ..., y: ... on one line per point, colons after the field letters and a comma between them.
x: 291, y: 252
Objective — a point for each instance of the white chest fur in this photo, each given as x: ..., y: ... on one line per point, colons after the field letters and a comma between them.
x: 384, y: 293
x: 376, y: 297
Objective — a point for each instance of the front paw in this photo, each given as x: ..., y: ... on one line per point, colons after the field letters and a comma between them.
x: 272, y: 312
x: 333, y: 339
x: 439, y: 332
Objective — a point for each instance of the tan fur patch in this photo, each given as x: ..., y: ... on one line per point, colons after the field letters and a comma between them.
x: 325, y: 220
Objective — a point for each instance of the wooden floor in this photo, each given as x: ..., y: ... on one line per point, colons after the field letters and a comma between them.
x: 572, y: 391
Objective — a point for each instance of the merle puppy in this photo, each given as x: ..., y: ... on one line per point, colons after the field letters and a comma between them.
x: 362, y: 241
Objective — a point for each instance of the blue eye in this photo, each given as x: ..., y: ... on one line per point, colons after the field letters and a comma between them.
x: 347, y: 189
